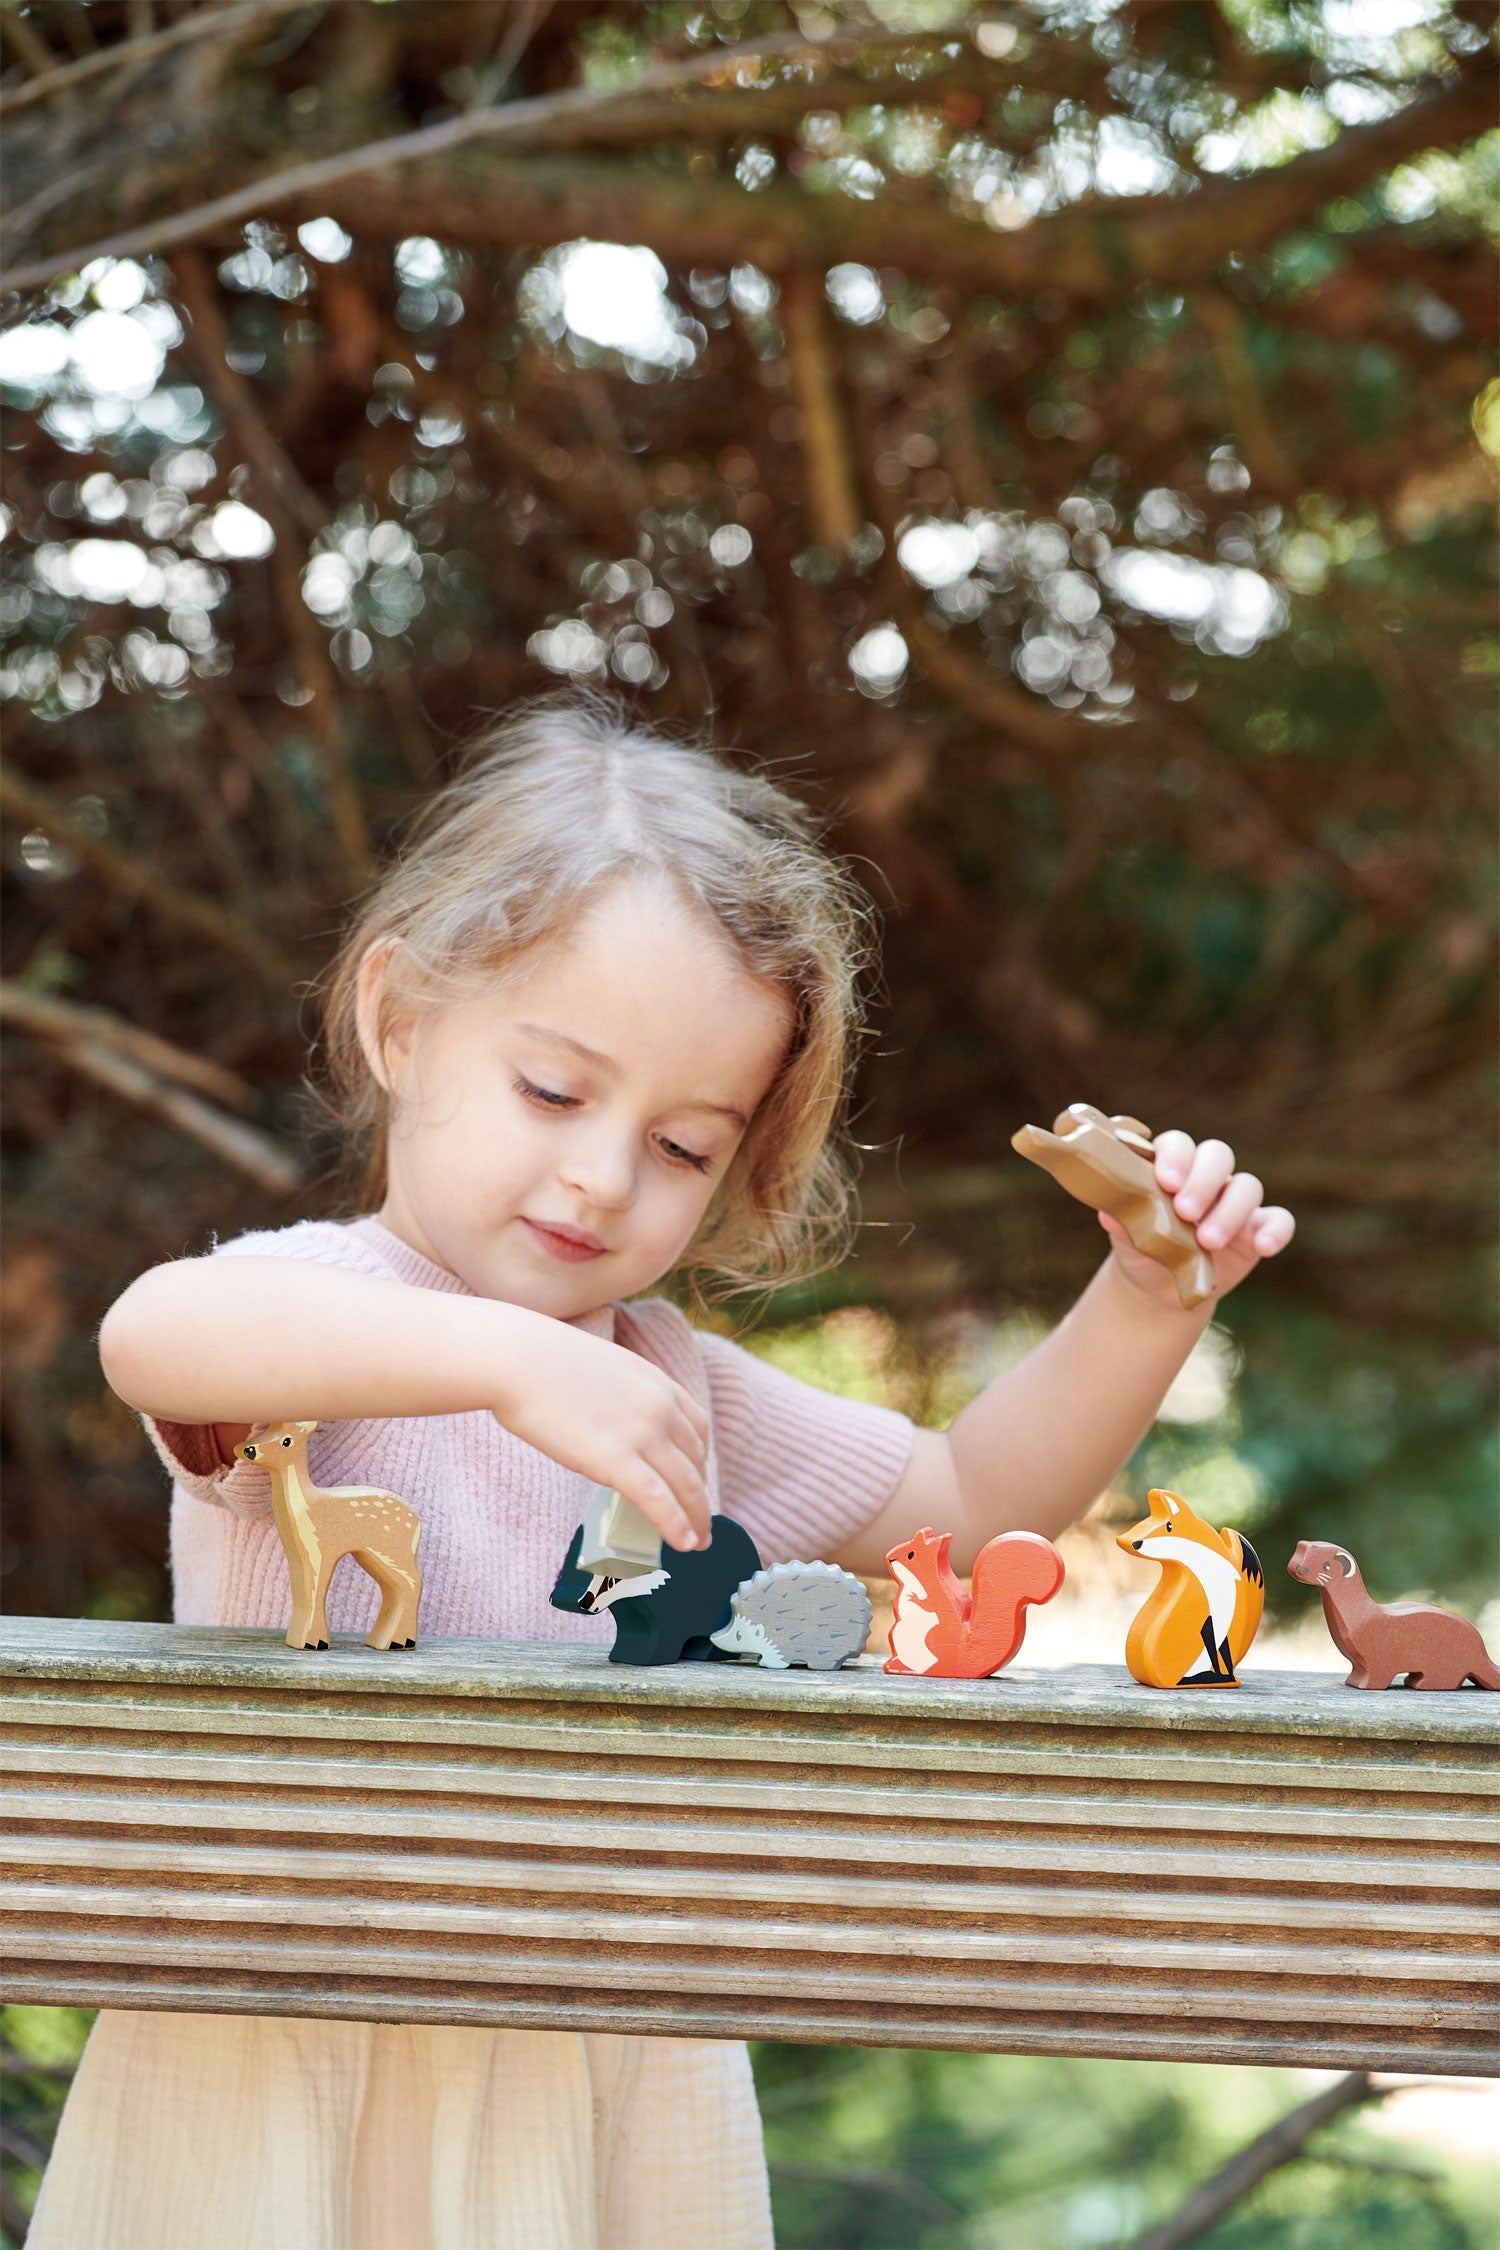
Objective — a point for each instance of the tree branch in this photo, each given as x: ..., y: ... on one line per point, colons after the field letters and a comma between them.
x: 833, y: 502
x: 206, y: 344
x: 1275, y: 2147
x: 467, y: 195
x: 294, y: 505
x: 51, y: 1018
x: 113, y: 1060
x: 207, y: 920
x: 28, y: 44
x: 206, y: 23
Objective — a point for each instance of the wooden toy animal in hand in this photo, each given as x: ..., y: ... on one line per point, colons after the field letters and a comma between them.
x: 1384, y: 1641
x: 945, y: 1633
x: 1110, y: 1164
x: 320, y: 1524
x: 1202, y: 1615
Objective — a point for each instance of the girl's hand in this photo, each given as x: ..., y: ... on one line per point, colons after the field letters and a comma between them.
x: 1221, y: 1205
x: 613, y: 1417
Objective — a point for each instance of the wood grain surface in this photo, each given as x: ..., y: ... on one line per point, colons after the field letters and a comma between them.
x: 475, y: 1832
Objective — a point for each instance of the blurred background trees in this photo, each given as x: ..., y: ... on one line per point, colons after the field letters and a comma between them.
x: 1059, y: 441
x: 1056, y: 439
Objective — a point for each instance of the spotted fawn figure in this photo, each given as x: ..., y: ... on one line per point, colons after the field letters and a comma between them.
x: 1196, y: 1625
x: 320, y: 1524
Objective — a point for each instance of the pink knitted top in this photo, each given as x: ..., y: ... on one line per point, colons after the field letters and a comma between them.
x: 801, y: 1469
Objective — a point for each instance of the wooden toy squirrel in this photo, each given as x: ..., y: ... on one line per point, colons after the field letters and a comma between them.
x: 1109, y: 1163
x: 320, y: 1524
x: 943, y: 1632
x: 1200, y: 1618
x: 1383, y: 1641
x: 662, y: 1616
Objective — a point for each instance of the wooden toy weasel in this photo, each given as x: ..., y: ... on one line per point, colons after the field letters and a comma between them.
x: 1202, y: 1615
x: 1108, y: 1163
x: 1384, y: 1640
x: 943, y: 1632
x: 320, y: 1524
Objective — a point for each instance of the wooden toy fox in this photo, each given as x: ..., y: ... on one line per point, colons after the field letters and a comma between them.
x: 1199, y: 1620
x: 948, y: 1634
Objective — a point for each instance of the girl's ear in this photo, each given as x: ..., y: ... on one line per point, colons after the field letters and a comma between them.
x: 385, y: 1054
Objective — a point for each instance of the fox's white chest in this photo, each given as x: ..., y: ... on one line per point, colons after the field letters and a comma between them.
x: 1214, y: 1572
x: 913, y: 1625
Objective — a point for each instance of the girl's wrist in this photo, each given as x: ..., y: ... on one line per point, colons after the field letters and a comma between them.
x: 1165, y: 1312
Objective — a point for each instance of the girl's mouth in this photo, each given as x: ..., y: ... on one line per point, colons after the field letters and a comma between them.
x: 569, y: 1249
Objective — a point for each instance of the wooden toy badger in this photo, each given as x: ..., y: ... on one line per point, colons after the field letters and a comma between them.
x: 664, y: 1616
x: 808, y: 1613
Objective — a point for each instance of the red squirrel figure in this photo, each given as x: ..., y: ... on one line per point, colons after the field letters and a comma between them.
x: 947, y: 1634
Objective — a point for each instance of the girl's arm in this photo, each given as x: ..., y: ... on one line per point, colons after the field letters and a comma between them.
x: 1036, y: 1448
x: 235, y: 1341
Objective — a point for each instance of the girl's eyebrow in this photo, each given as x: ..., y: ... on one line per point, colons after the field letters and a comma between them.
x: 564, y: 1039
x: 606, y: 1063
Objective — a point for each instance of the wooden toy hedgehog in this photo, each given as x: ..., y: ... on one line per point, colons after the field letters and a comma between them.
x: 797, y: 1613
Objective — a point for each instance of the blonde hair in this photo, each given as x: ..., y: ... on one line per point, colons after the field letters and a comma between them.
x: 551, y: 806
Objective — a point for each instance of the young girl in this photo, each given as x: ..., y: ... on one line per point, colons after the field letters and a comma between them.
x: 594, y: 1024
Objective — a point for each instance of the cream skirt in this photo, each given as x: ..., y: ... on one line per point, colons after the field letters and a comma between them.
x: 201, y: 2132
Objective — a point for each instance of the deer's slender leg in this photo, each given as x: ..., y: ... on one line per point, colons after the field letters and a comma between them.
x: 319, y: 1629
x: 304, y: 1599
x: 401, y: 1589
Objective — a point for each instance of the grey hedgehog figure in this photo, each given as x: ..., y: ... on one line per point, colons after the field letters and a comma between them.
x: 797, y: 1613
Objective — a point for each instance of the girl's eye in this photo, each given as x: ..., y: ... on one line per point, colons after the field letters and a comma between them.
x: 544, y: 1096
x: 686, y: 1156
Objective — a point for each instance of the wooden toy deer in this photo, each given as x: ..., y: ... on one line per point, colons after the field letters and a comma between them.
x: 1110, y: 1164
x: 1385, y: 1641
x: 321, y: 1524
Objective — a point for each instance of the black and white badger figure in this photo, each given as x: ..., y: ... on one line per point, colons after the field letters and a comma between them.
x: 808, y: 1613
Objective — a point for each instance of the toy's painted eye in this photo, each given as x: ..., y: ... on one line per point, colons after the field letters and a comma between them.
x: 249, y: 1453
x: 286, y: 1441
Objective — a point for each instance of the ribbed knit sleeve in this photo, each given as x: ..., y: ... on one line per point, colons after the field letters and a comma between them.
x: 189, y: 1450
x: 800, y: 1468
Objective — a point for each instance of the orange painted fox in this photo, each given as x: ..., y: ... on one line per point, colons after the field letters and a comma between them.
x: 1201, y: 1617
x: 948, y: 1634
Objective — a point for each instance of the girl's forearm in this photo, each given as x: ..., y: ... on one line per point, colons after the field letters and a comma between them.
x: 273, y: 1339
x: 1042, y: 1442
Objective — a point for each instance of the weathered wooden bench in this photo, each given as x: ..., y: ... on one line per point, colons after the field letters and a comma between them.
x: 1049, y: 1862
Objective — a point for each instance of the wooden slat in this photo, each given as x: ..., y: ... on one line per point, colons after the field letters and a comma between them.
x: 524, y: 1834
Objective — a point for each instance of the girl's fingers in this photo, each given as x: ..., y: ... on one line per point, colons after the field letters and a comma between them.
x: 1174, y: 1157
x: 689, y: 1492
x: 691, y: 1438
x: 1239, y: 1201
x: 652, y: 1494
x: 695, y: 1416
x: 1213, y: 1162
x: 1271, y: 1229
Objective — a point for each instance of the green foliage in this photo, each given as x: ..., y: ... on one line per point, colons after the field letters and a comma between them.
x: 41, y: 2048
x: 896, y: 2150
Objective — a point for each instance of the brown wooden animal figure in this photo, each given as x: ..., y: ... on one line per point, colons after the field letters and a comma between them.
x: 1108, y: 1163
x: 1383, y: 1641
x: 321, y: 1524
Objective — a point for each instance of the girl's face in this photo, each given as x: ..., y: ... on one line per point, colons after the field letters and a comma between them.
x: 556, y: 1141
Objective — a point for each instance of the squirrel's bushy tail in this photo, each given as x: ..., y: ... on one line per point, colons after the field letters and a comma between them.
x: 1018, y: 1568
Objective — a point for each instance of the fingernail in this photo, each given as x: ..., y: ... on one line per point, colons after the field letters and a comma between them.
x: 1211, y: 1237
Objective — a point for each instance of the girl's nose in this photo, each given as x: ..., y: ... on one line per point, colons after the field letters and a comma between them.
x: 602, y: 1172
